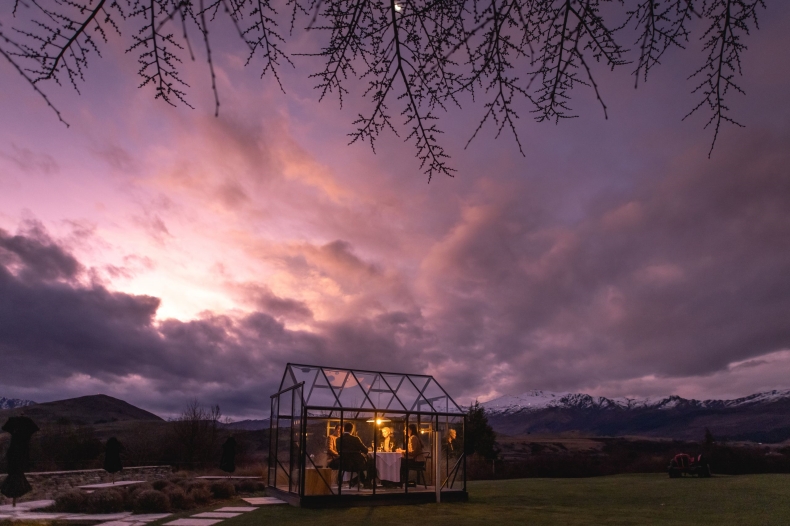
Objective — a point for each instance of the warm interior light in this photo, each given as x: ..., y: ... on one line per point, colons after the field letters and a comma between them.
x: 378, y: 421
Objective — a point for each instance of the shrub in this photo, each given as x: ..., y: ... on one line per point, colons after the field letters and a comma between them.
x: 248, y: 486
x: 160, y: 484
x: 179, y: 498
x: 223, y: 489
x: 191, y: 484
x: 200, y: 494
x: 178, y: 477
x: 72, y: 501
x: 104, y: 501
x: 151, y: 501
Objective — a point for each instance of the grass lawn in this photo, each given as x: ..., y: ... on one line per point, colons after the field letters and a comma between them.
x: 623, y: 499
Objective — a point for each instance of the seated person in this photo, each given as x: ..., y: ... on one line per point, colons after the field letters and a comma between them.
x: 332, y: 455
x: 415, y: 454
x: 353, y: 453
x: 387, y: 440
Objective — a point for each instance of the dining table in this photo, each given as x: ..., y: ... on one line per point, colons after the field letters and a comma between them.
x: 388, y: 466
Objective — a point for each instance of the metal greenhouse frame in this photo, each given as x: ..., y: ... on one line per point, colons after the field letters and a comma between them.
x: 315, y: 403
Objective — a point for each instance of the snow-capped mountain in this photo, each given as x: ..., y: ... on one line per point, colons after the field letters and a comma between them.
x: 13, y: 403
x: 761, y: 417
x: 536, y: 400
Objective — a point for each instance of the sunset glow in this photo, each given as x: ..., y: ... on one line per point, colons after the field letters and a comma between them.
x: 162, y: 254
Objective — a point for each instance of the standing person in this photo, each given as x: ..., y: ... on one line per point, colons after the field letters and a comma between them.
x: 18, y: 456
x: 228, y: 461
x: 449, y: 444
x: 414, y: 458
x: 112, y: 457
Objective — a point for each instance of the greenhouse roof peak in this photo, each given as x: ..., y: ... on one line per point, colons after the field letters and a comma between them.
x: 342, y: 388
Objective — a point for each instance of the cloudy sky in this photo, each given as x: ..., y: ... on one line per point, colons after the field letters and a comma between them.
x: 160, y: 254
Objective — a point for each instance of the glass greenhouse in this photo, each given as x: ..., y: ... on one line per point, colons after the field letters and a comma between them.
x: 345, y: 437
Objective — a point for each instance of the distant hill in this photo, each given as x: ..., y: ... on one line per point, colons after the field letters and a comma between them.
x: 761, y: 417
x: 248, y: 425
x: 13, y: 403
x: 85, y: 410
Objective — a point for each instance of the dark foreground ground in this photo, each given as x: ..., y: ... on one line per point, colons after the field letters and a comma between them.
x: 622, y: 500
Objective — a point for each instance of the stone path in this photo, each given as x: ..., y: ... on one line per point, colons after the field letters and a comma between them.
x: 209, y: 518
x: 27, y: 511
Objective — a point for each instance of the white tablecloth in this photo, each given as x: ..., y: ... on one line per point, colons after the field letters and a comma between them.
x: 388, y: 466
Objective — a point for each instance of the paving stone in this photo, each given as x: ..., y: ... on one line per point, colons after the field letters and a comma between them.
x: 193, y: 522
x: 96, y: 516
x: 147, y: 517
x: 36, y: 516
x: 28, y: 505
x: 262, y: 501
x: 237, y: 508
x: 216, y: 515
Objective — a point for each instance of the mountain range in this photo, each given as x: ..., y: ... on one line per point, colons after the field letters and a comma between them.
x: 760, y: 417
x: 13, y: 403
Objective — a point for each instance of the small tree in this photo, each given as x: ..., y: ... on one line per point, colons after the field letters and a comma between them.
x: 197, y: 431
x: 112, y: 457
x: 707, y: 444
x: 479, y: 436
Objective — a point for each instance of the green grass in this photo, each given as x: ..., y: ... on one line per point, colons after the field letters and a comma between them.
x: 762, y: 500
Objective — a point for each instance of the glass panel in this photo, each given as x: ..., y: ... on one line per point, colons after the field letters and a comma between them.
x: 380, y: 393
x: 437, y: 397
x: 288, y: 378
x: 395, y: 381
x: 283, y: 458
x: 352, y: 394
x: 320, y: 394
x: 320, y: 450
x: 452, y: 462
x: 336, y: 377
x: 304, y: 374
x: 286, y: 403
x: 371, y: 390
x: 296, y: 441
x: 408, y: 394
x: 273, y: 440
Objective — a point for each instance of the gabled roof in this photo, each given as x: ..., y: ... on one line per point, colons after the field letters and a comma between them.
x: 333, y: 387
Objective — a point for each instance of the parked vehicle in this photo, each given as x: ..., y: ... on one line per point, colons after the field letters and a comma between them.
x: 683, y: 464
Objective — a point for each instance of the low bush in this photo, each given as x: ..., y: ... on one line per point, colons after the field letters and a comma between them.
x: 178, y: 498
x: 105, y: 501
x: 191, y: 484
x: 151, y: 501
x: 223, y: 489
x: 72, y: 501
x: 199, y: 494
x: 161, y: 484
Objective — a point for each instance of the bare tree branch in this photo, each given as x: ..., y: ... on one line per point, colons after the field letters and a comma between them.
x: 416, y: 58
